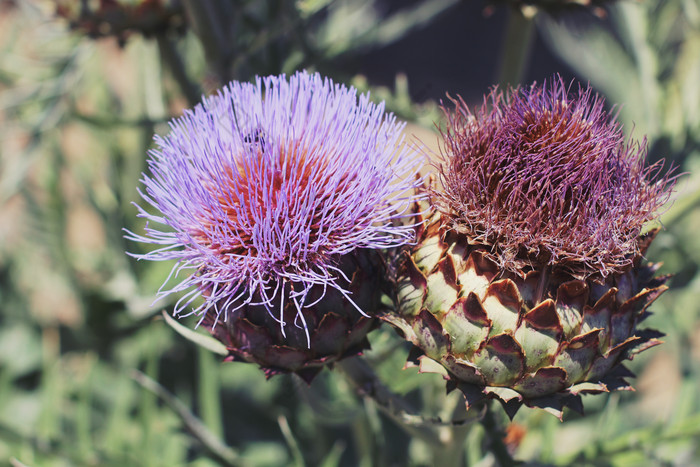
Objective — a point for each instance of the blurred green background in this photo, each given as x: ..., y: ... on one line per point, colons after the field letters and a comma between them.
x: 90, y: 373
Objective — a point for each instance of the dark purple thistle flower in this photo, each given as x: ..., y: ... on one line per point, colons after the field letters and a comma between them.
x: 528, y: 281
x: 546, y: 177
x: 264, y: 187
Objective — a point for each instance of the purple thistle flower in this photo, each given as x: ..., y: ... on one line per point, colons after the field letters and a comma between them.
x: 528, y: 281
x: 264, y: 187
x: 545, y: 177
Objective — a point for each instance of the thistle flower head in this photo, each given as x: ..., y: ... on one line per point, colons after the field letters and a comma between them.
x: 528, y: 282
x: 263, y: 187
x: 545, y: 177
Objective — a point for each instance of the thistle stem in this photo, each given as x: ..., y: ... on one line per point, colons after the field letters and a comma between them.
x: 446, y: 439
x: 495, y: 434
x: 368, y: 384
x: 454, y: 438
x: 516, y: 47
x: 174, y: 62
x: 217, y: 449
x: 209, y: 24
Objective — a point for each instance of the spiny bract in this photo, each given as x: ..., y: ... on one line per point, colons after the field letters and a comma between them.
x: 528, y: 282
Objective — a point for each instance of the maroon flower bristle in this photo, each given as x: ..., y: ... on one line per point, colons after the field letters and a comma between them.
x: 546, y: 177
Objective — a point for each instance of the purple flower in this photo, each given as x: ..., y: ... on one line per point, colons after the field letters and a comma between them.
x: 262, y: 188
x: 546, y: 178
x: 528, y: 281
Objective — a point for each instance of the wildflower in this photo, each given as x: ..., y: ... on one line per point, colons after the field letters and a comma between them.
x: 528, y: 281
x: 276, y: 196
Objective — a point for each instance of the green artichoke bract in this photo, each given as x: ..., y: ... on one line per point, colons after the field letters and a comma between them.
x: 528, y: 282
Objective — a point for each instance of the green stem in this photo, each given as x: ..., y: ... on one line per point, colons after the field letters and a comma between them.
x: 451, y: 453
x: 291, y: 441
x: 217, y: 449
x: 174, y: 62
x: 209, y: 25
x: 366, y: 381
x: 446, y: 439
x: 516, y: 48
x: 147, y: 410
x: 52, y: 387
x: 455, y: 436
x: 496, y: 435
x: 209, y: 392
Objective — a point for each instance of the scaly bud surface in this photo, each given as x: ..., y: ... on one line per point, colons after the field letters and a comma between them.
x: 528, y: 281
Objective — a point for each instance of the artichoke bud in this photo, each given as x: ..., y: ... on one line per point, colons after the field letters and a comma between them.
x: 542, y: 338
x: 528, y: 282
